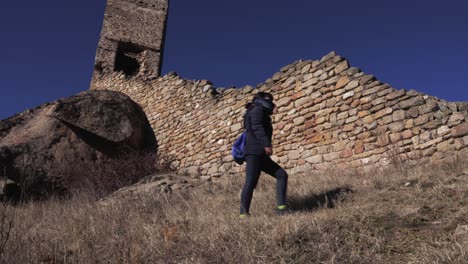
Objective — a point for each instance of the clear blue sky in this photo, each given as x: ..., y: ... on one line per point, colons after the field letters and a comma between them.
x: 47, y: 47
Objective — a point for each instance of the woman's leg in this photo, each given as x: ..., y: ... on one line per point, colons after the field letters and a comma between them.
x: 253, y: 171
x: 275, y: 170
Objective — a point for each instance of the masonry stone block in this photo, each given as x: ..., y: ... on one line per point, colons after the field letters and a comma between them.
x: 383, y: 112
x: 460, y: 130
x: 456, y: 118
x: 414, y: 101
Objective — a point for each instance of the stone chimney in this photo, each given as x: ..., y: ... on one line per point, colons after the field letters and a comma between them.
x: 132, y: 38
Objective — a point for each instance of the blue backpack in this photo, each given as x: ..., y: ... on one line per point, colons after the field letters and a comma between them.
x: 237, y: 151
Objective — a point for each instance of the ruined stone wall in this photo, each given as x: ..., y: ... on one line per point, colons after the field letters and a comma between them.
x: 132, y: 38
x: 329, y: 114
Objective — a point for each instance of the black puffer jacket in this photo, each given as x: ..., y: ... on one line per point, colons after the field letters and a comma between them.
x: 257, y: 123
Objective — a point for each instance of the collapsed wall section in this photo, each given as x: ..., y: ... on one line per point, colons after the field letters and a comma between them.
x: 329, y: 115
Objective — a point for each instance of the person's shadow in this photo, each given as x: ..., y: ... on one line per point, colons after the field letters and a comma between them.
x: 313, y: 201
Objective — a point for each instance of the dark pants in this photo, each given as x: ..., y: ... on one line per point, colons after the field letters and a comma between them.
x: 255, y: 165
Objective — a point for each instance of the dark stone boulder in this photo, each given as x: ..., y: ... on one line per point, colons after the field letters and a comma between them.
x: 96, y: 139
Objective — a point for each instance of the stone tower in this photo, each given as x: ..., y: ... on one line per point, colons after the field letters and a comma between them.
x: 132, y: 38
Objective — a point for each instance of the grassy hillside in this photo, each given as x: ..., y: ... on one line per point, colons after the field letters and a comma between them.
x: 390, y: 215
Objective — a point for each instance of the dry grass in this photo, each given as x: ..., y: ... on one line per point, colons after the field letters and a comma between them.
x: 374, y: 216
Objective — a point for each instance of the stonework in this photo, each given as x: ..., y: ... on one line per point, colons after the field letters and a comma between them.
x: 329, y: 115
x: 132, y: 38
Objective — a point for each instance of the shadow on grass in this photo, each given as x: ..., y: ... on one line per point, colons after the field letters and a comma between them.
x: 313, y: 201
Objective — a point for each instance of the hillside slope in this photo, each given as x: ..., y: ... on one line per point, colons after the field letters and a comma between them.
x: 392, y: 215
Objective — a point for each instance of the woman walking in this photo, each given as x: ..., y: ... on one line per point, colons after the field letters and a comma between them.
x: 257, y: 152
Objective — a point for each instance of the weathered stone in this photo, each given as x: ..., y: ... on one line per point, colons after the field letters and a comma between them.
x: 346, y: 153
x: 339, y: 146
x: 368, y: 119
x: 385, y: 120
x: 398, y: 115
x: 384, y: 92
x: 413, y: 112
x: 298, y: 95
x: 294, y: 155
x: 331, y: 156
x: 421, y: 120
x: 440, y: 115
x: 283, y: 101
x: 331, y: 81
x: 338, y: 92
x: 77, y: 142
x: 465, y: 140
x: 359, y: 149
x: 306, y: 78
x: 378, y: 101
x: 306, y: 68
x: 374, y: 90
x: 371, y: 125
x: 316, y: 138
x: 315, y: 95
x: 342, y: 115
x: 348, y: 95
x: 328, y: 57
x: 458, y: 144
x: 443, y: 130
x: 348, y: 127
x: 395, y: 137
x: 351, y: 119
x: 344, y: 80
x: 353, y: 71
x: 341, y: 67
x: 301, y: 101
x: 429, y: 107
x: 429, y: 143
x: 366, y: 78
x: 383, y: 112
x: 460, y: 130
x: 283, y: 159
x: 456, y: 118
x: 462, y: 106
x: 444, y: 146
x: 213, y: 169
x: 315, y: 159
x: 377, y: 108
x: 344, y: 107
x: 323, y: 77
x: 396, y: 126
x: 355, y: 103
x: 395, y: 94
x: 366, y: 100
x: 351, y: 85
x: 320, y: 120
x: 236, y: 127
x: 299, y: 121
x: 310, y: 82
x: 425, y: 136
x: 415, y: 101
x: 407, y: 134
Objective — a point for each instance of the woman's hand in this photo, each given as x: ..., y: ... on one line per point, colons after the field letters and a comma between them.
x: 269, y: 151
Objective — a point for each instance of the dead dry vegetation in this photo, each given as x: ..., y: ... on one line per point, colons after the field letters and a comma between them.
x: 395, y: 214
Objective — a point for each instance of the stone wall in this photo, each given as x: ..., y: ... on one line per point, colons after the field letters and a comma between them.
x: 329, y: 114
x: 132, y: 38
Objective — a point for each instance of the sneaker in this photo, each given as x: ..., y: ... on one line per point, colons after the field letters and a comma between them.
x: 243, y: 216
x: 282, y: 210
